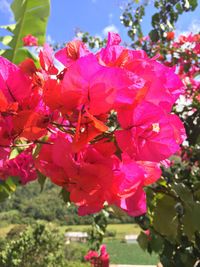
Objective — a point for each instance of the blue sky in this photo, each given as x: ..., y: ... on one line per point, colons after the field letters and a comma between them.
x: 94, y: 16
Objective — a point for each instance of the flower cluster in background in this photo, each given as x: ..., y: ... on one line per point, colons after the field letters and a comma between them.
x: 98, y: 259
x: 30, y: 40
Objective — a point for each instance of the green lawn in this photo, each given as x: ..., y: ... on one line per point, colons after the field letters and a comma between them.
x: 124, y: 229
x: 122, y: 253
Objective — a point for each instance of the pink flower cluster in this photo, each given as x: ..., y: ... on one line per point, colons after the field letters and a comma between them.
x: 98, y: 259
x: 188, y: 48
x: 100, y: 127
x: 30, y: 40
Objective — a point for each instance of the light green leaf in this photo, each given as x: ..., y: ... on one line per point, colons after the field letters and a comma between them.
x: 5, y: 39
x: 31, y: 17
x: 9, y: 27
x: 7, y: 187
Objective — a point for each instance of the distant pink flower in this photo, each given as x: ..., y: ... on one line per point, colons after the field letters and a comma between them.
x: 170, y: 36
x: 30, y: 40
x: 91, y: 254
x: 148, y: 234
x: 95, y: 258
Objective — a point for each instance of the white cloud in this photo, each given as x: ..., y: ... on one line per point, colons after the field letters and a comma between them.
x: 194, y: 27
x: 49, y: 39
x: 110, y: 28
x: 5, y: 8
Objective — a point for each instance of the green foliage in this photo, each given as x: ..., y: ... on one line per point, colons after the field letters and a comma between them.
x: 98, y: 231
x: 31, y: 17
x: 166, y: 225
x: 132, y: 19
x: 163, y: 20
x: 37, y: 246
x: 7, y: 188
x: 174, y: 213
x: 94, y: 42
x: 40, y: 246
x: 75, y: 252
x: 29, y: 203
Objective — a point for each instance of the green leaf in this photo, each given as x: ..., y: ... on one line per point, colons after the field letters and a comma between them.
x: 5, y: 40
x: 9, y: 27
x: 41, y: 180
x: 179, y: 8
x: 154, y: 35
x: 14, y: 153
x: 156, y: 243
x: 143, y: 240
x: 165, y: 218
x: 12, y: 183
x: 31, y: 17
x: 193, y: 4
x: 191, y: 219
x: 155, y: 19
x: 65, y: 195
x: 7, y: 187
x: 4, y: 193
x: 197, y: 191
x: 183, y: 192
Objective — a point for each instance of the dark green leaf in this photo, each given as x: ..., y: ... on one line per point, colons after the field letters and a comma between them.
x: 156, y: 243
x: 183, y: 192
x: 191, y: 219
x: 41, y: 180
x: 155, y: 19
x: 143, y: 240
x: 193, y: 4
x: 165, y: 219
x: 65, y: 195
x: 154, y: 35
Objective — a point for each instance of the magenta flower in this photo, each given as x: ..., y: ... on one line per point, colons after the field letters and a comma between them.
x: 21, y: 167
x: 30, y: 40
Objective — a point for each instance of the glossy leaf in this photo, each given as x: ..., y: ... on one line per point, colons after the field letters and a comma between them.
x: 31, y: 17
x: 165, y: 218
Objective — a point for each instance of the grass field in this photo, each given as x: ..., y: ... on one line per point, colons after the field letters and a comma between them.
x: 129, y: 254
